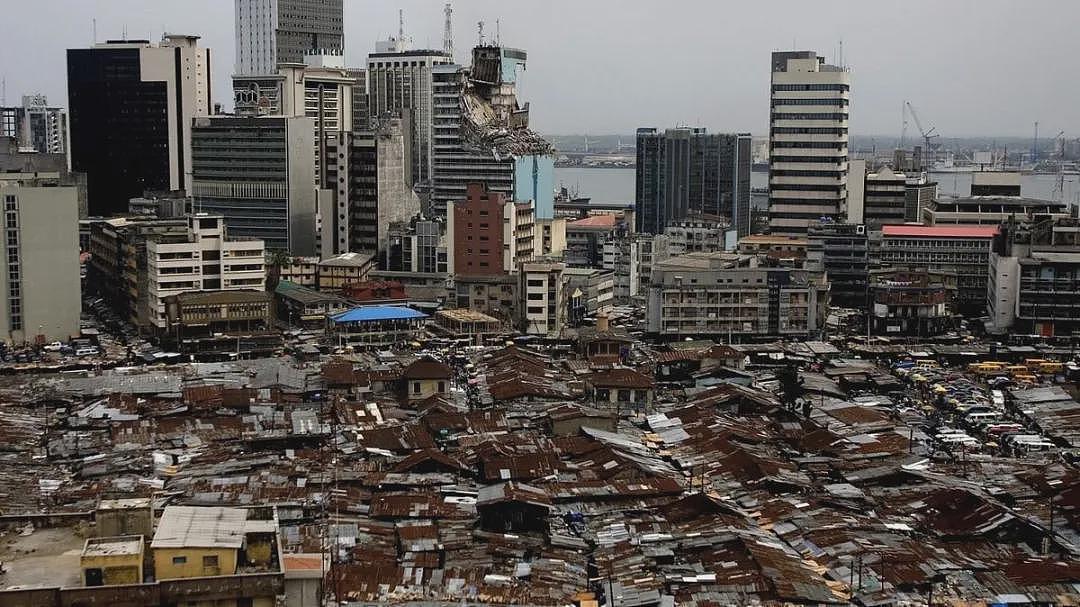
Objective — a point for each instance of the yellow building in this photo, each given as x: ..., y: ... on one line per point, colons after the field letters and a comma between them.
x: 425, y: 378
x: 109, y: 561
x: 198, y: 542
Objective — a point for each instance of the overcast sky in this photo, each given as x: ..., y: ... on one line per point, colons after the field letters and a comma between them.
x: 970, y: 67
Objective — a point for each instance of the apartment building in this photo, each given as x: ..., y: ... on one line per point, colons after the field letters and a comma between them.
x: 489, y: 234
x: 204, y: 259
x: 543, y: 305
x: 735, y: 297
x: 962, y: 250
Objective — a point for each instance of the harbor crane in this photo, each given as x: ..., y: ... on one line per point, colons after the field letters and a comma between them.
x: 927, y: 135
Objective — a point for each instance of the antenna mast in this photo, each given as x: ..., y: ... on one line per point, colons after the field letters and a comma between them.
x: 401, y: 25
x: 448, y: 31
x: 480, y: 27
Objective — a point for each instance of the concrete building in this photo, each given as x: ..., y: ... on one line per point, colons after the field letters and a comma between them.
x: 884, y: 198
x: 915, y: 303
x: 630, y: 257
x: 15, y: 159
x: 489, y: 234
x: 962, y: 250
x: 40, y: 297
x: 206, y: 258
x: 418, y: 246
x: 481, y: 134
x: 808, y: 141
x: 222, y: 325
x: 200, y: 542
x: 36, y: 126
x: 585, y: 239
x: 734, y: 297
x: 270, y: 32
x: 340, y: 270
x: 258, y: 173
x: 693, y: 236
x: 131, y: 107
x: 1034, y: 281
x: 842, y: 252
x: 112, y: 561
x: 785, y: 250
x: 686, y: 173
x: 400, y: 84
x: 991, y: 210
x: 919, y: 193
x: 994, y: 183
x: 543, y: 298
x: 381, y: 192
x: 590, y: 291
x: 304, y: 307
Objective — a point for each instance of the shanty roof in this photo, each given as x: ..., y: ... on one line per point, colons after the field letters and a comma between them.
x: 426, y: 368
x: 940, y: 231
x: 620, y: 378
x: 512, y: 492
x: 194, y: 527
x: 377, y: 313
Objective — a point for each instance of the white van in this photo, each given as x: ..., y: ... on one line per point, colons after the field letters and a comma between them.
x: 88, y: 351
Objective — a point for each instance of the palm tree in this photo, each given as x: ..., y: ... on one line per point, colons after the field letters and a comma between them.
x: 275, y: 260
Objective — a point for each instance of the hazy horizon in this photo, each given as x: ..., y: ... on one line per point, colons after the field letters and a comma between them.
x: 610, y: 66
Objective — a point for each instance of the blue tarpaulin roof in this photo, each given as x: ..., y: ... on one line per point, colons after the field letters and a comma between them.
x: 376, y: 313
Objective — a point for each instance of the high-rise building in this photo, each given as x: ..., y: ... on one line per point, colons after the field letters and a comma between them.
x: 400, y: 84
x: 482, y: 135
x: 808, y: 141
x: 131, y: 107
x: 270, y: 32
x: 258, y: 174
x: 39, y: 289
x: 841, y: 250
x: 687, y: 173
x: 380, y: 185
x: 35, y: 125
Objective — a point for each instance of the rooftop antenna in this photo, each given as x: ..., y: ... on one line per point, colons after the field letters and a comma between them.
x: 448, y: 31
x: 480, y: 27
x: 498, y: 35
x: 123, y: 33
x: 94, y: 28
x: 401, y: 25
x: 841, y: 59
x: 3, y: 91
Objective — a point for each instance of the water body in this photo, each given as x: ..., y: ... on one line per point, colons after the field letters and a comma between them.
x: 617, y: 185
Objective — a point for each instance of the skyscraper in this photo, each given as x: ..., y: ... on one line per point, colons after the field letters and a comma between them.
x: 808, y: 141
x: 131, y: 105
x: 400, y: 84
x: 269, y: 32
x: 686, y: 172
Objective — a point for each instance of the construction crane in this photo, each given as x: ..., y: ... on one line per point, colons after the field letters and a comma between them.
x: 927, y: 135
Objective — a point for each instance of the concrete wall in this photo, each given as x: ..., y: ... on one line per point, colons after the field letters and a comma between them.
x: 116, y: 570
x: 420, y: 389
x: 165, y: 568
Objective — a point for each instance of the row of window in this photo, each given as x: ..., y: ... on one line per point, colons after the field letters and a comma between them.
x: 840, y: 101
x: 811, y: 87
x: 810, y: 116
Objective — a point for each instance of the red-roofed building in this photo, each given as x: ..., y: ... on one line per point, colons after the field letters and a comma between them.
x: 960, y: 249
x: 585, y: 239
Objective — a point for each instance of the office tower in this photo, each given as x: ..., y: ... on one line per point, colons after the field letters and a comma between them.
x: 808, y: 141
x: 270, y: 32
x: 131, y: 105
x: 39, y: 289
x: 687, y: 173
x: 841, y: 250
x: 482, y: 135
x: 35, y: 125
x: 400, y: 84
x: 258, y: 174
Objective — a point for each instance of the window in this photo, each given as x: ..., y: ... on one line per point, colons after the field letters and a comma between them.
x: 416, y: 387
x: 442, y: 386
x: 624, y: 396
x: 210, y: 561
x: 179, y: 560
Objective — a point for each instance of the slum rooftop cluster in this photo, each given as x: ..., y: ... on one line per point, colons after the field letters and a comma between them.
x: 527, y: 476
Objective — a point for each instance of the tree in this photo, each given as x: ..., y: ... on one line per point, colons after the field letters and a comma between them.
x: 275, y: 260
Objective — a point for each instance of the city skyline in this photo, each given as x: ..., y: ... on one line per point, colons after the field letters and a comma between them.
x: 949, y: 66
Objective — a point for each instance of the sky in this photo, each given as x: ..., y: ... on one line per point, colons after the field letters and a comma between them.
x: 969, y: 67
